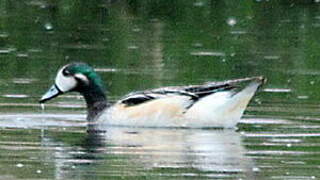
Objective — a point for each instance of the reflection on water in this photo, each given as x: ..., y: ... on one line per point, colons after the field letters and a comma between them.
x: 63, y: 147
x: 205, y: 150
x: 129, y: 152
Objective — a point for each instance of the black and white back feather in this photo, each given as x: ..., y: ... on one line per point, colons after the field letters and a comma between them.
x: 194, y: 92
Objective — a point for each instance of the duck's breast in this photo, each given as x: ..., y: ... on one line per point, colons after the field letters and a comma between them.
x: 163, y: 112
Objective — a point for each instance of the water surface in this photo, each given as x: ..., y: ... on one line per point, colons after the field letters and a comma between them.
x: 136, y: 45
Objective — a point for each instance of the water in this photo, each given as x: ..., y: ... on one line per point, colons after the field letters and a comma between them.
x: 136, y: 45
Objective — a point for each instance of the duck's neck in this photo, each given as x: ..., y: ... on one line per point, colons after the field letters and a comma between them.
x: 96, y: 101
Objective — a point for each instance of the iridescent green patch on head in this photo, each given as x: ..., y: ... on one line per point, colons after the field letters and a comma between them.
x: 86, y: 70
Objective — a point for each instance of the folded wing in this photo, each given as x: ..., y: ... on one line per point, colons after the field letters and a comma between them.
x: 194, y: 92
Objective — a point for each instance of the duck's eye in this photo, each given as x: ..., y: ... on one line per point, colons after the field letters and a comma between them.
x: 65, y: 72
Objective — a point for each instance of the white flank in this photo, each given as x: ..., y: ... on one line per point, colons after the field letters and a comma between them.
x: 223, y: 109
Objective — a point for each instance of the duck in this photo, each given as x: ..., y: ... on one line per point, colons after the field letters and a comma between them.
x: 211, y: 104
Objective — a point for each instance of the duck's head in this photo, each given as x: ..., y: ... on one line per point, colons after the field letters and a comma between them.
x: 78, y: 77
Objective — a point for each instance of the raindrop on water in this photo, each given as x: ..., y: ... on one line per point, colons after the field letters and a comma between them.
x: 197, y: 45
x: 19, y: 165
x: 136, y: 29
x: 303, y: 97
x: 198, y: 4
x: 4, y: 51
x: 4, y: 35
x: 133, y: 47
x: 231, y: 21
x: 257, y: 100
x: 42, y: 106
x: 48, y: 26
x: 255, y: 169
x: 289, y: 145
x: 22, y: 55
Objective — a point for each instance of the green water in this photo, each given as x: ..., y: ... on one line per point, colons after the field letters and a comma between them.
x: 136, y: 45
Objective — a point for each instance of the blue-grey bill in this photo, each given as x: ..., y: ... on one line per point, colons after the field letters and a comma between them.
x: 51, y: 93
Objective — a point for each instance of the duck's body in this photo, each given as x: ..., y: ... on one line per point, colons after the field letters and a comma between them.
x: 208, y: 105
x: 213, y: 104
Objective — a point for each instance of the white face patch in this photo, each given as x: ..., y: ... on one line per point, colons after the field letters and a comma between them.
x: 65, y: 83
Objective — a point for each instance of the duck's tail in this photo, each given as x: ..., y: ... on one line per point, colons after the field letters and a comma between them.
x: 225, y: 108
